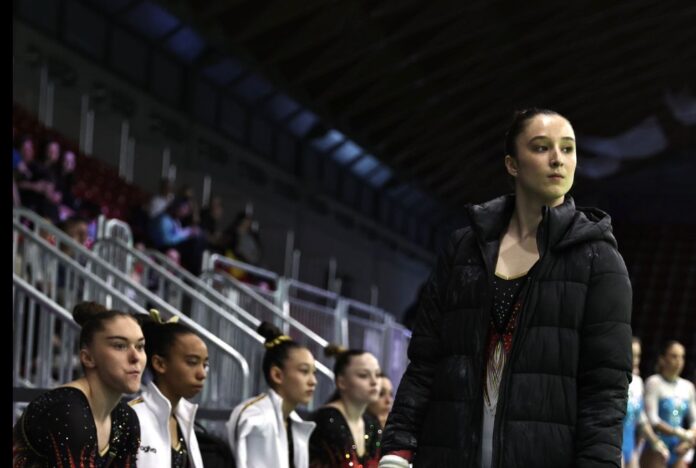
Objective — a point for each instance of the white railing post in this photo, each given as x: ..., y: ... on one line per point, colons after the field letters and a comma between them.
x: 282, y: 302
x: 205, y: 198
x: 289, y: 246
x: 387, y: 340
x: 341, y: 323
x: 374, y: 295
x: 84, y: 108
x: 295, y: 273
x: 166, y: 157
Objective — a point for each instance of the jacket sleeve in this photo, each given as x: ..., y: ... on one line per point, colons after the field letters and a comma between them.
x: 604, y: 367
x: 424, y: 351
x: 240, y: 427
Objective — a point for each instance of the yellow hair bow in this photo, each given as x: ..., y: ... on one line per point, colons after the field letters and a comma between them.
x: 154, y: 313
x: 277, y: 341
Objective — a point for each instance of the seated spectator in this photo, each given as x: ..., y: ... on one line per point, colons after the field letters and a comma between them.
x: 90, y: 212
x: 240, y: 241
x: 16, y: 155
x: 77, y: 229
x: 193, y: 218
x: 160, y: 201
x: 65, y: 180
x: 31, y: 181
x: 167, y: 232
x: 211, y: 218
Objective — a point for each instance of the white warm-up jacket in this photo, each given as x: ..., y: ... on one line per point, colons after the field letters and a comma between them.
x: 153, y: 410
x: 257, y: 434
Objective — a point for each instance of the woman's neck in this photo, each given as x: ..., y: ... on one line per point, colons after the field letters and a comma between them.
x: 528, y: 213
x: 352, y: 411
x: 102, y: 400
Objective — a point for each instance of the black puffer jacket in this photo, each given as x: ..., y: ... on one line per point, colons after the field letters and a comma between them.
x: 563, y: 393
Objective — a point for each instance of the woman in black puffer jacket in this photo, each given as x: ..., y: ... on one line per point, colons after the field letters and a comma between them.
x: 521, y: 352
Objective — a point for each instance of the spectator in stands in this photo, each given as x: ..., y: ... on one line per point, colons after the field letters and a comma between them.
x: 636, y: 421
x: 670, y: 402
x: 211, y: 220
x: 65, y: 179
x: 84, y: 422
x: 381, y: 408
x: 31, y: 180
x: 347, y: 435
x: 528, y: 309
x: 193, y: 218
x: 167, y: 233
x: 16, y: 154
x: 160, y: 201
x: 76, y: 228
x: 241, y: 242
x: 177, y: 359
x: 266, y: 431
x: 90, y: 212
x: 51, y: 157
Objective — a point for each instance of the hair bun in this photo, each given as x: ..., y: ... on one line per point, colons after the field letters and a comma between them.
x: 85, y: 311
x: 269, y: 331
x: 334, y: 350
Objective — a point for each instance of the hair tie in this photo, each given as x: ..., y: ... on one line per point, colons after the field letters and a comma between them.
x: 155, y: 315
x: 276, y: 341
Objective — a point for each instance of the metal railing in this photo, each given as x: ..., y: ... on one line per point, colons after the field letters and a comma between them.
x: 217, y: 312
x: 56, y: 359
x: 67, y: 282
x: 345, y: 321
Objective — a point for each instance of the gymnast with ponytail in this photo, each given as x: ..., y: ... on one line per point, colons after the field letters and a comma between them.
x: 178, y: 364
x: 265, y: 431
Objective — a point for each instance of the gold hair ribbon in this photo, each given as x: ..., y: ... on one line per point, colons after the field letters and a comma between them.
x: 277, y: 341
x: 154, y: 313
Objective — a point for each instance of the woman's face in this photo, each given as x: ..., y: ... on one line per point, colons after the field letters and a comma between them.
x: 184, y: 370
x: 359, y: 382
x: 53, y: 152
x: 297, y: 380
x: 117, y: 354
x: 27, y: 151
x: 672, y: 362
x: 383, y: 405
x: 544, y: 168
x: 68, y: 161
x: 636, y: 356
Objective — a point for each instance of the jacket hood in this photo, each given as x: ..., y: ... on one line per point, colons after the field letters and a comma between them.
x: 563, y: 226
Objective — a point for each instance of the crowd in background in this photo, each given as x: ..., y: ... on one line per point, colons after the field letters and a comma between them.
x: 172, y: 220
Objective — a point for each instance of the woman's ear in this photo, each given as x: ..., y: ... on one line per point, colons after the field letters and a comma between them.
x: 341, y: 383
x: 276, y: 374
x: 511, y: 165
x: 159, y: 364
x: 87, y: 359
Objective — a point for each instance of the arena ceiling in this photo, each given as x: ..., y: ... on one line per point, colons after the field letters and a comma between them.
x: 429, y: 87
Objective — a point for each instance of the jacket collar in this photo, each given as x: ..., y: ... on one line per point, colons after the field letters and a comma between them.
x: 490, y: 219
x: 185, y: 410
x: 298, y: 423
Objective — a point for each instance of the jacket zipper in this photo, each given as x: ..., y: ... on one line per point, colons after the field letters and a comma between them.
x: 502, y: 393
